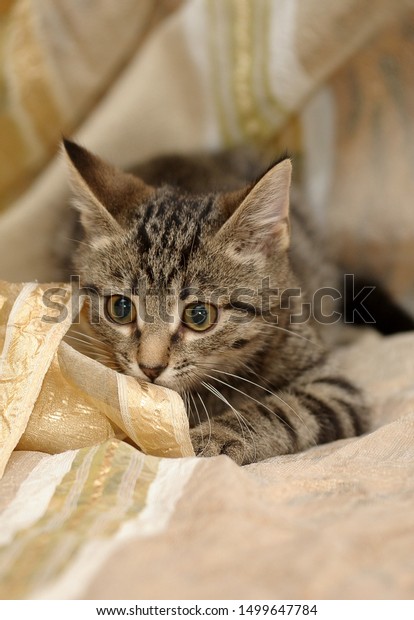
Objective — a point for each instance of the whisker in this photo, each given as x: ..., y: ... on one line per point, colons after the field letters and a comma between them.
x: 88, y: 336
x: 250, y: 370
x: 223, y: 372
x: 292, y: 333
x: 105, y: 358
x: 198, y: 416
x: 240, y: 418
x: 258, y: 401
x: 90, y: 345
x: 300, y: 418
x: 220, y: 396
x: 208, y: 420
x: 260, y: 387
x: 184, y: 396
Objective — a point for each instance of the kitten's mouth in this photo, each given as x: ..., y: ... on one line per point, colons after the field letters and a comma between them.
x: 159, y: 381
x: 179, y: 382
x: 174, y: 384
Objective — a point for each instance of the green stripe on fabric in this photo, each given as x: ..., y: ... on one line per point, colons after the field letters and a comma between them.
x: 106, y: 485
x: 216, y: 63
x: 253, y: 123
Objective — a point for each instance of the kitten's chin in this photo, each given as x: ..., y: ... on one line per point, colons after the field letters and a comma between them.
x: 166, y: 384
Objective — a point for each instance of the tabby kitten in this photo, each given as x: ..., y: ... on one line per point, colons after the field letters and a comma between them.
x: 196, y: 285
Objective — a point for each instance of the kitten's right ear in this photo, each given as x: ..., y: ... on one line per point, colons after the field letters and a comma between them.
x: 85, y: 172
x: 104, y: 195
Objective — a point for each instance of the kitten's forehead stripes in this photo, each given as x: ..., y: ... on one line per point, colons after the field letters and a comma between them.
x: 168, y: 216
x: 168, y: 231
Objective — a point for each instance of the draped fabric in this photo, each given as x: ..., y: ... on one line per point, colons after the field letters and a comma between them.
x: 53, y: 398
x: 101, y: 495
x: 335, y: 522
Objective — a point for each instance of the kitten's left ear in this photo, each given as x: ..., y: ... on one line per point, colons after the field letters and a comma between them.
x: 261, y: 222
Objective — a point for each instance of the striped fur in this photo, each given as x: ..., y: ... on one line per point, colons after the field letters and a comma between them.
x: 257, y: 384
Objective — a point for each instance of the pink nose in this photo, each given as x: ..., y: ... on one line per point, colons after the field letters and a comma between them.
x: 152, y: 372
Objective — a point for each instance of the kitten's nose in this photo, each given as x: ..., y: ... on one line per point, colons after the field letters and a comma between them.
x: 152, y: 372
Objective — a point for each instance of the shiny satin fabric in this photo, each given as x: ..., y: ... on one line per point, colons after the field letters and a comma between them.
x: 53, y: 398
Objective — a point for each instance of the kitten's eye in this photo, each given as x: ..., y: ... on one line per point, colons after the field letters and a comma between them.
x: 121, y: 309
x: 199, y: 316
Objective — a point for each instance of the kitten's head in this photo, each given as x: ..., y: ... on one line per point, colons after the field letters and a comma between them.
x: 179, y: 283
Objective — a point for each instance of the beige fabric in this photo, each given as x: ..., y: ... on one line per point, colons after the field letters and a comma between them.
x: 56, y: 59
x: 314, y: 77
x: 53, y: 398
x: 332, y: 522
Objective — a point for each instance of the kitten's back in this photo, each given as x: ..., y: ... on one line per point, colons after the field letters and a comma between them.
x: 204, y: 173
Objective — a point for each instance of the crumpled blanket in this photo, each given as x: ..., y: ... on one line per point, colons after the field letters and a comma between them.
x: 334, y: 522
x: 53, y: 398
x: 98, y: 518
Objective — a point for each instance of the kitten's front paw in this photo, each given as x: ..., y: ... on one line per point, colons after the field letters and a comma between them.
x: 216, y: 439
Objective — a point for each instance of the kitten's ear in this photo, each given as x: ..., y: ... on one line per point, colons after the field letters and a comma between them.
x: 261, y: 222
x: 101, y: 192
